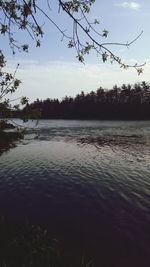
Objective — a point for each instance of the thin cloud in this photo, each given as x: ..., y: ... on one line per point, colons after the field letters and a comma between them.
x: 131, y: 5
x: 56, y: 79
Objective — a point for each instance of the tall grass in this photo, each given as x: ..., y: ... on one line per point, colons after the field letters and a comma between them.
x: 25, y: 245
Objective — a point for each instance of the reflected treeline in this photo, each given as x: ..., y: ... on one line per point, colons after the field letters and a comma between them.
x: 125, y: 102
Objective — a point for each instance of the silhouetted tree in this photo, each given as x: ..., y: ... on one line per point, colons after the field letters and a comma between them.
x: 125, y: 102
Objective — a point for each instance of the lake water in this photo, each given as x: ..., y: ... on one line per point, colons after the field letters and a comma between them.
x: 87, y: 182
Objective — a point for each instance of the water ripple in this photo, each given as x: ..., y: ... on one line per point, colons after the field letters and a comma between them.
x: 93, y: 175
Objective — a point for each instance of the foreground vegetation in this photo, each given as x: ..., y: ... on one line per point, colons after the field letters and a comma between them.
x: 26, y: 245
x: 8, y: 138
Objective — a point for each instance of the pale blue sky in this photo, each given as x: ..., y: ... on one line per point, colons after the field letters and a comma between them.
x: 53, y: 70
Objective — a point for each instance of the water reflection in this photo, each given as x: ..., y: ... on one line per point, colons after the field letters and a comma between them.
x: 86, y: 186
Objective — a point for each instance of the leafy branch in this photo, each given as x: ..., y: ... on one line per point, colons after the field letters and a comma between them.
x: 82, y: 22
x: 8, y: 86
x: 84, y: 35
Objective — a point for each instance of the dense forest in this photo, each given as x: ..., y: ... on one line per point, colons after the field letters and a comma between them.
x: 125, y: 102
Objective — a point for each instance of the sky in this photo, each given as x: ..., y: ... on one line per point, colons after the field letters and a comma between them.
x: 53, y: 71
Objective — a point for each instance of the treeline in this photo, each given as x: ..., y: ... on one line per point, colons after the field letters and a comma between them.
x: 125, y: 102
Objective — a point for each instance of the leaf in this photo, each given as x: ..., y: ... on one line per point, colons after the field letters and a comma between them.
x: 70, y: 44
x: 139, y: 71
x: 105, y: 33
x: 104, y: 57
x: 24, y: 100
x: 38, y: 43
x: 3, y: 29
x: 27, y: 10
x: 25, y: 47
x: 96, y: 21
x: 80, y: 58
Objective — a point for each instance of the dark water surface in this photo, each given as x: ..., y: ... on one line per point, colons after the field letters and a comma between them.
x: 88, y: 183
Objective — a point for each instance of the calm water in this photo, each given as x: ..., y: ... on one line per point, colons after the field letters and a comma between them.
x: 88, y: 182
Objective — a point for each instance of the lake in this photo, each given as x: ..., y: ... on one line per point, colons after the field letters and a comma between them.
x: 87, y: 182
